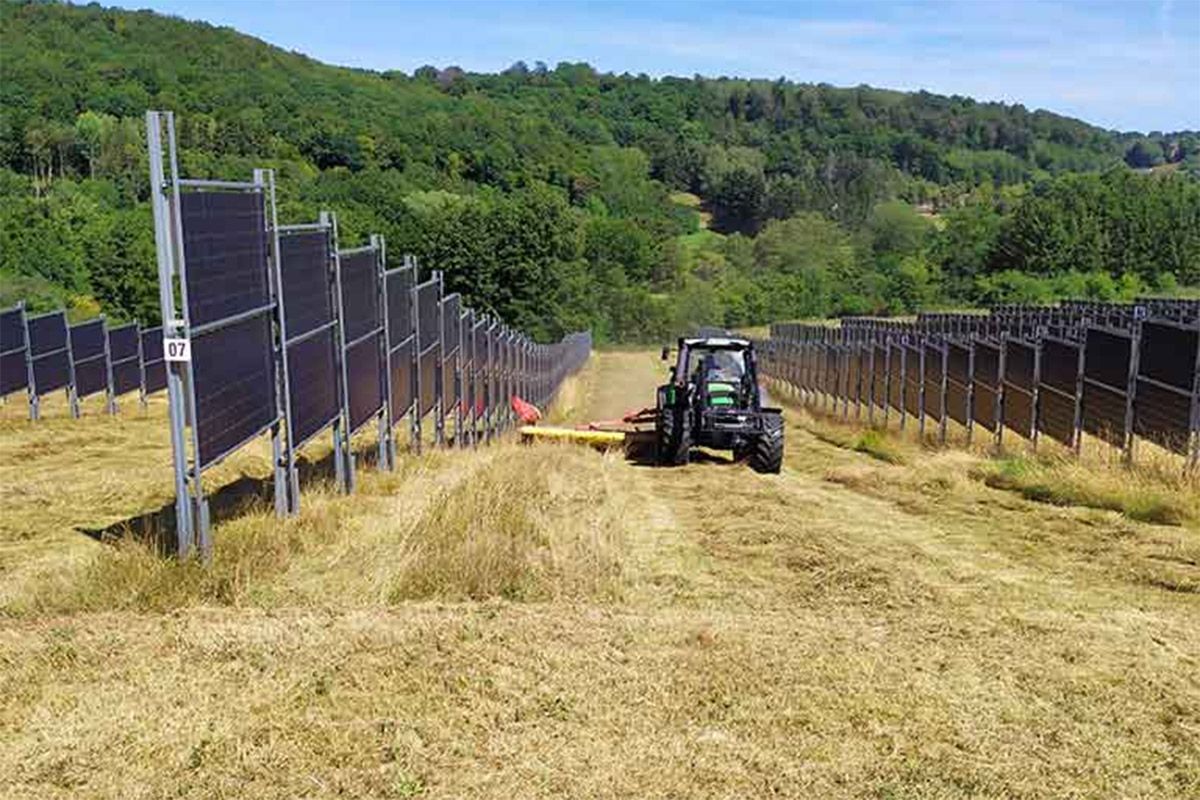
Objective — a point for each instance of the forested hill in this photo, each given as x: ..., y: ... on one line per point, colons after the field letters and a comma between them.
x: 564, y: 197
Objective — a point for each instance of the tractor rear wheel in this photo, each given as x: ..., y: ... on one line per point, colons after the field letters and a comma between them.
x: 674, y: 437
x: 766, y: 454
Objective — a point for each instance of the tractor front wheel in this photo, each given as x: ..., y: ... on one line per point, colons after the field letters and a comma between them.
x: 766, y: 454
x: 674, y: 437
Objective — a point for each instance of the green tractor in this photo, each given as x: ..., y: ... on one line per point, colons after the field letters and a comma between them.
x: 713, y: 400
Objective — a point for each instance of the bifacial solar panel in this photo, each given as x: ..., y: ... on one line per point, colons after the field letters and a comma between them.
x: 312, y: 384
x: 1018, y: 410
x: 1106, y: 358
x: 913, y: 380
x: 360, y: 295
x: 1019, y: 364
x: 123, y: 343
x: 399, y: 304
x: 1060, y: 365
x: 91, y: 376
x: 983, y: 406
x: 429, y: 379
x: 934, y: 365
x: 402, y: 366
x: 956, y: 402
x: 1168, y: 354
x: 365, y: 384
x: 225, y: 253
x: 14, y: 372
x: 896, y: 380
x: 234, y: 380
x: 12, y: 330
x: 880, y: 375
x: 428, y: 325
x: 1056, y: 415
x: 52, y: 372
x: 152, y: 359
x: 127, y: 376
x: 1104, y: 413
x: 304, y: 264
x: 47, y: 333
x: 958, y: 362
x: 451, y: 321
x: 987, y: 364
x: 1162, y: 416
x: 87, y: 340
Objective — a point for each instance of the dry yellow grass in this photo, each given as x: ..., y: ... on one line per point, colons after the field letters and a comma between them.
x: 852, y: 628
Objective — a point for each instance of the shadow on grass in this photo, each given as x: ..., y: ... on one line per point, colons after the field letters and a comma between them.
x: 158, y: 527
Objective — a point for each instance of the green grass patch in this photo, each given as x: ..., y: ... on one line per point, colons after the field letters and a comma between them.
x: 1068, y: 483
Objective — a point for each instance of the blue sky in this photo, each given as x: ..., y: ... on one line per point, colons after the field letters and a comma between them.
x: 1128, y: 65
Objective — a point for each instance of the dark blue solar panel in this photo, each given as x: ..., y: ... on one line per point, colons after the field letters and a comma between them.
x: 152, y: 358
x: 429, y: 377
x: 360, y: 294
x: 47, y: 333
x: 52, y: 372
x: 12, y: 330
x: 402, y: 366
x: 156, y: 377
x: 304, y: 262
x: 152, y: 345
x: 87, y: 340
x: 1168, y: 354
x: 127, y: 376
x: 1106, y: 357
x: 225, y: 252
x: 123, y: 343
x: 1018, y: 364
x: 365, y: 383
x: 13, y: 372
x: 399, y: 304
x: 234, y: 376
x: 91, y: 377
x: 312, y: 374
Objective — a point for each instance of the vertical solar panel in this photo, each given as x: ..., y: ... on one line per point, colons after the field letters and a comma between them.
x: 428, y: 345
x: 934, y: 368
x: 153, y: 364
x: 234, y: 381
x: 13, y: 368
x: 48, y: 349
x: 360, y: 294
x: 304, y: 261
x: 312, y: 384
x: 225, y: 250
x: 125, y: 356
x: 1019, y: 361
x: 451, y: 324
x: 1106, y: 374
x: 1165, y: 385
x: 399, y: 304
x: 364, y: 380
x: 402, y: 366
x: 87, y: 351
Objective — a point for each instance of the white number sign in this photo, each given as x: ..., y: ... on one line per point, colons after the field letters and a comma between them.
x: 177, y: 349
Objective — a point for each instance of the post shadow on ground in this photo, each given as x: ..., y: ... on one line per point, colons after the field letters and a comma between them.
x: 158, y: 527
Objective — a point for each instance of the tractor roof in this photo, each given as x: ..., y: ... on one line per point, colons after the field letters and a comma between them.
x: 716, y: 341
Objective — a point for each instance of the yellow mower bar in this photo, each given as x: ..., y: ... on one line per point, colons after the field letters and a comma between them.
x: 601, y: 439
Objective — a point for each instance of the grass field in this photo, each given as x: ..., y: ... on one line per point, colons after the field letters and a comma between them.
x: 880, y: 621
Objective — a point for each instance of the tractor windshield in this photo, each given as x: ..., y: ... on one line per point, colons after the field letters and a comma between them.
x: 716, y: 364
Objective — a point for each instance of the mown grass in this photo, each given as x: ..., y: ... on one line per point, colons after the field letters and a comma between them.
x: 552, y: 622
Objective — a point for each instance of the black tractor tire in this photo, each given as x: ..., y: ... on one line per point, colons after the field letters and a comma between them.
x: 674, y: 437
x: 766, y: 455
